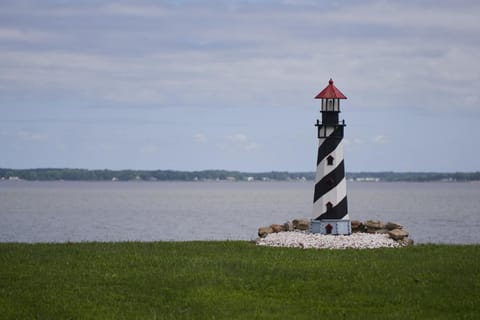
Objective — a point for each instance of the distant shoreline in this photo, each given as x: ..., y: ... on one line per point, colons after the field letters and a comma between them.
x: 66, y: 174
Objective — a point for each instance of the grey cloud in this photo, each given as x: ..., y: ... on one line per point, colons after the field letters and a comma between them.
x: 206, y: 54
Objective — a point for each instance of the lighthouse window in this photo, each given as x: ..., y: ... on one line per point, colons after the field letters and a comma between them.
x: 329, y: 206
x: 330, y: 160
x: 330, y: 104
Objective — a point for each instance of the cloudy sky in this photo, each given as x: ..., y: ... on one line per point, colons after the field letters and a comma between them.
x: 193, y: 85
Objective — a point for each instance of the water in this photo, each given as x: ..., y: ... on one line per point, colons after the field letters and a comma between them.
x: 152, y: 211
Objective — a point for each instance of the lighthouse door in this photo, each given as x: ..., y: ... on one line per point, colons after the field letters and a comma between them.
x: 328, y: 229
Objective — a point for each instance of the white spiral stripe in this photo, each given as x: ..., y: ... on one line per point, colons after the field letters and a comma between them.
x: 333, y: 196
x: 323, y: 168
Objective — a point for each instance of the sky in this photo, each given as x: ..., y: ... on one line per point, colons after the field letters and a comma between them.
x: 195, y: 85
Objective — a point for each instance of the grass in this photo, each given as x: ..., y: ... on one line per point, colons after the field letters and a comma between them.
x: 236, y: 280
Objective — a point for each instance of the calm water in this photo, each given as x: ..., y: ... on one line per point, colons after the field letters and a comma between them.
x: 149, y: 211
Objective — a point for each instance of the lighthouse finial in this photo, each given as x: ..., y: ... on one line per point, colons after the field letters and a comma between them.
x: 330, y: 81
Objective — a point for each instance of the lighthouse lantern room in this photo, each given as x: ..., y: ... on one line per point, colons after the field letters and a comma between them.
x: 330, y: 214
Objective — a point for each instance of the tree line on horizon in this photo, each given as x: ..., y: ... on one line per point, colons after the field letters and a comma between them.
x: 52, y: 174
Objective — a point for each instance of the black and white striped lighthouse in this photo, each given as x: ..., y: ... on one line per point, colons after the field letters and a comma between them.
x: 330, y: 213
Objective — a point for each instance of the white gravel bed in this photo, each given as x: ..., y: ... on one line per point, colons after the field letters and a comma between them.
x: 299, y: 239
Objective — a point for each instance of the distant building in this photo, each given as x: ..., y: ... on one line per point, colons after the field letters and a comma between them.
x: 367, y: 179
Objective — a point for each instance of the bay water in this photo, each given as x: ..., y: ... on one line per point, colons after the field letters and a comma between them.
x: 62, y: 211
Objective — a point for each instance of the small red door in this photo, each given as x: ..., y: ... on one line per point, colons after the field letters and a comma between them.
x: 328, y: 228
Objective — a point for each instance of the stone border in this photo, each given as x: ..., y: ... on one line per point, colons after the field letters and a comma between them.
x: 394, y: 230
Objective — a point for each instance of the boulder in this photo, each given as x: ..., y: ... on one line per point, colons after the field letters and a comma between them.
x: 301, y: 224
x: 398, y: 234
x: 264, y: 231
x: 382, y: 231
x: 288, y: 226
x: 374, y: 224
x: 277, y: 228
x: 357, y: 226
x: 393, y: 225
x: 406, y: 242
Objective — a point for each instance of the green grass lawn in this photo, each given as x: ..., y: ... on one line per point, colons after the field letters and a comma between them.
x: 236, y: 280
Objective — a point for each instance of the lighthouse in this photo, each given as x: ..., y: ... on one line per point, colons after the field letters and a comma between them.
x: 330, y: 213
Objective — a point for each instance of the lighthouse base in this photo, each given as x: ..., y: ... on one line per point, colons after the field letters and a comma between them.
x: 331, y: 226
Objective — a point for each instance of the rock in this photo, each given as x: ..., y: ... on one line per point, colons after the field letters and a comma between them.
x: 304, y: 225
x: 298, y: 239
x: 288, y: 226
x: 393, y: 225
x: 264, y: 231
x: 369, y: 234
x: 406, y: 242
x: 374, y: 224
x: 357, y: 226
x: 378, y: 231
x: 301, y: 224
x: 397, y: 234
x: 277, y: 228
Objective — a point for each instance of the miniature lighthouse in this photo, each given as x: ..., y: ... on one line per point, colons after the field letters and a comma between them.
x: 330, y: 214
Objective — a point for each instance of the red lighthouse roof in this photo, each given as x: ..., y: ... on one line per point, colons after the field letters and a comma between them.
x: 330, y: 92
